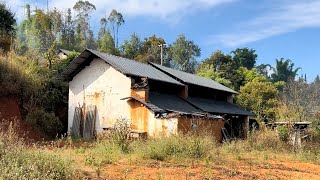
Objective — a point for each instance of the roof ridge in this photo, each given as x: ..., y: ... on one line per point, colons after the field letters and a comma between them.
x: 132, y: 67
x: 124, y: 58
x: 163, y: 69
x: 183, y: 72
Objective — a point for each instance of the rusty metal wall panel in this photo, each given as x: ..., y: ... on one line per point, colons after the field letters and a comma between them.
x: 89, y: 122
x: 75, y: 129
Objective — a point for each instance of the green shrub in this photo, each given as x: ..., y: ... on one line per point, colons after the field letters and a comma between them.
x: 152, y: 149
x: 47, y: 122
x: 35, y: 86
x: 175, y: 146
x: 120, y: 134
x: 104, y: 152
x: 315, y: 130
x: 264, y: 139
x: 197, y: 148
x: 283, y: 133
x: 21, y: 162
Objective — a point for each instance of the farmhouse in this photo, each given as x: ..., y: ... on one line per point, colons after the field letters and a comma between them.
x: 157, y: 100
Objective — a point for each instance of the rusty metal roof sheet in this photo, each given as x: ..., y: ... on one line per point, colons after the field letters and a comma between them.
x: 159, y: 102
x: 193, y: 79
x: 221, y: 107
x: 149, y: 105
x: 126, y: 66
x: 172, y: 103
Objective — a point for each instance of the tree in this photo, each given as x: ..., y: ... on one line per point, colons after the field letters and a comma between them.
x: 299, y: 101
x: 226, y: 67
x: 284, y: 70
x: 51, y: 55
x: 106, y: 44
x: 56, y: 20
x: 41, y: 37
x: 35, y: 33
x: 91, y: 42
x: 28, y: 11
x: 7, y: 24
x: 317, y: 80
x: 105, y: 41
x: 252, y: 75
x: 263, y: 69
x: 245, y: 57
x: 116, y: 20
x: 150, y: 50
x: 208, y: 71
x: 131, y: 48
x: 83, y: 9
x: 230, y: 71
x: 260, y: 98
x: 183, y: 54
x: 103, y: 28
x: 216, y: 60
x: 21, y: 43
x: 67, y: 38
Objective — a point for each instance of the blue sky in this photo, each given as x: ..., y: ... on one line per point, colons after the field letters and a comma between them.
x: 274, y: 28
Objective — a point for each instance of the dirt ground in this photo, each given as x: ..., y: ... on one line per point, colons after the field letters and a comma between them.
x: 10, y: 112
x: 237, y: 170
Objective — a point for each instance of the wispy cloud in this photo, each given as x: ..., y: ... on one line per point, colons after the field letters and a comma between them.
x: 167, y: 10
x: 287, y: 17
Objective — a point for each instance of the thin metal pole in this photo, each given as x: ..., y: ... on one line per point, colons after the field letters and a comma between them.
x: 161, y: 54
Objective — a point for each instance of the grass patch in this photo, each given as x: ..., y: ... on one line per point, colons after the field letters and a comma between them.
x: 17, y: 161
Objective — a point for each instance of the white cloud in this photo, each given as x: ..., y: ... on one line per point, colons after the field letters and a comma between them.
x: 287, y: 17
x: 168, y: 10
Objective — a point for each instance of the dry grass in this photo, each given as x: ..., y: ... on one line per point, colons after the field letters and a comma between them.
x: 199, y: 155
x: 19, y: 161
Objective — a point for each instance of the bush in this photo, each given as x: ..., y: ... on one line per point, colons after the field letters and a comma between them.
x: 264, y: 139
x: 47, y: 122
x: 176, y: 147
x: 20, y: 162
x: 120, y: 134
x: 283, y: 133
x: 35, y: 87
x: 315, y: 130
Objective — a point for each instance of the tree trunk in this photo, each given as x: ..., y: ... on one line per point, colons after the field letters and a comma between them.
x: 117, y: 36
x: 114, y: 34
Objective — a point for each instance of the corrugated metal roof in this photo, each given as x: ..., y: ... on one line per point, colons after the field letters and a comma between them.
x: 126, y: 66
x: 153, y: 107
x: 172, y: 103
x: 222, y: 107
x: 166, y: 103
x: 193, y: 79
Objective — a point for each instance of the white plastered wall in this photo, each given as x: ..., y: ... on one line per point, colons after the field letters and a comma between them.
x: 161, y: 127
x: 101, y: 85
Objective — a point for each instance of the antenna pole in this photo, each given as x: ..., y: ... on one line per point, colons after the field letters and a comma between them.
x: 161, y: 53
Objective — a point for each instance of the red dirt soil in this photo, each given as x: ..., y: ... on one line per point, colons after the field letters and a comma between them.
x: 238, y: 170
x: 10, y: 111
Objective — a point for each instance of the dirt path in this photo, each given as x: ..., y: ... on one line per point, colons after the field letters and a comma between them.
x: 240, y: 170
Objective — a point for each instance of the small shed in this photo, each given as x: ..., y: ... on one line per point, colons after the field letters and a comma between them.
x: 297, y: 130
x: 63, y: 54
